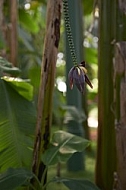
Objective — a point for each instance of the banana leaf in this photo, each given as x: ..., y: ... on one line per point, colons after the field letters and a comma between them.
x: 17, y: 123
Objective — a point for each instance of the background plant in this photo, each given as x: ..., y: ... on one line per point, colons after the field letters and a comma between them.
x: 30, y: 27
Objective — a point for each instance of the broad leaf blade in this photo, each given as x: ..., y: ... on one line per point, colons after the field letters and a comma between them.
x: 14, y: 178
x: 74, y: 184
x: 17, y: 121
x: 21, y: 86
x: 63, y: 146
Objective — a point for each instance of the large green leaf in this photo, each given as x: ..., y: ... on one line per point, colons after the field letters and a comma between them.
x: 24, y: 88
x: 17, y: 122
x: 74, y: 184
x: 64, y: 144
x: 14, y: 178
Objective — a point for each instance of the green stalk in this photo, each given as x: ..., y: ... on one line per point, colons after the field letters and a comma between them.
x: 106, y: 154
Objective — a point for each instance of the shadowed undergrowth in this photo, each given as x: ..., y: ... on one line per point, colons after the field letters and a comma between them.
x: 88, y: 173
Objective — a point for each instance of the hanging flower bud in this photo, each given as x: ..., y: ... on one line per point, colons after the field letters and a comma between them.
x: 77, y: 75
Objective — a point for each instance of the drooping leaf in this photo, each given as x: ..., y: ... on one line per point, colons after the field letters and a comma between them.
x: 17, y: 122
x: 64, y: 144
x: 74, y: 184
x: 24, y: 88
x: 14, y: 178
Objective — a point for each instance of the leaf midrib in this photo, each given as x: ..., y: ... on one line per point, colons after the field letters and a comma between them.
x: 12, y: 124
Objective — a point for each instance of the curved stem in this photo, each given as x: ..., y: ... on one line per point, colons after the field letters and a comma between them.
x: 68, y: 31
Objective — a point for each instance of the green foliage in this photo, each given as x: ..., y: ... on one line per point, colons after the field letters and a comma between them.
x: 88, y: 6
x: 17, y: 121
x: 34, y: 75
x: 74, y: 184
x: 17, y: 112
x: 63, y: 145
x: 26, y: 39
x: 58, y: 111
x: 6, y: 67
x: 14, y: 178
x: 73, y: 114
x: 30, y: 29
x: 28, y: 22
x: 91, y: 55
x: 23, y: 88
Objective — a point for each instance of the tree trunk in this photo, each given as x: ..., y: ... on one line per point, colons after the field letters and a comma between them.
x: 1, y: 21
x: 9, y: 30
x: 120, y: 99
x: 44, y: 114
x: 106, y: 150
x: 120, y: 94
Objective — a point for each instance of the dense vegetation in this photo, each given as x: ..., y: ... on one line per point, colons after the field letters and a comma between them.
x: 49, y: 51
